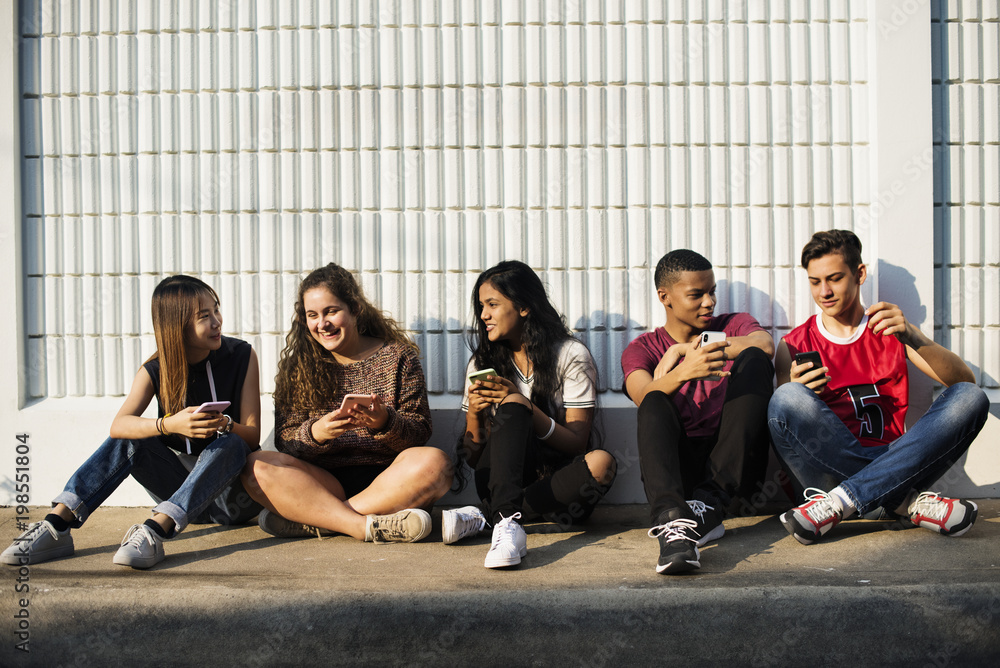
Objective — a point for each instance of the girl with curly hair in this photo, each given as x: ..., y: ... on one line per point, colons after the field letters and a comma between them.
x: 359, y: 468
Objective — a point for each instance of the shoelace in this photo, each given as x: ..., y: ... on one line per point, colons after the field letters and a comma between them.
x: 295, y: 526
x: 699, y: 508
x: 35, y: 530
x: 825, y: 505
x: 136, y: 535
x: 507, y: 529
x: 675, y: 530
x: 929, y: 504
x: 469, y: 522
x: 307, y: 527
x: 388, y: 527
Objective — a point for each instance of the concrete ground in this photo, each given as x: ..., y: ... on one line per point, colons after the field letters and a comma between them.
x: 870, y: 594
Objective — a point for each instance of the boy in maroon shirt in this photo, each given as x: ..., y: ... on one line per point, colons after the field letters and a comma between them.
x: 702, y: 419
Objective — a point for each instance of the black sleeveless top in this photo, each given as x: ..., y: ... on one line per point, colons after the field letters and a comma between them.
x: 229, y: 369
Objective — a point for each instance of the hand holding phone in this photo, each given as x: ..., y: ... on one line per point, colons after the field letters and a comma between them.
x: 481, y: 375
x: 699, y: 356
x: 809, y: 356
x: 815, y: 382
x: 712, y: 337
x: 354, y: 402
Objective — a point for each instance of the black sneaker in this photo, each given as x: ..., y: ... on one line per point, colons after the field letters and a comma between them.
x: 709, y: 522
x: 678, y: 546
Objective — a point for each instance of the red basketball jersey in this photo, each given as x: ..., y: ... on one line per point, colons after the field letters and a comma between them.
x: 869, y: 387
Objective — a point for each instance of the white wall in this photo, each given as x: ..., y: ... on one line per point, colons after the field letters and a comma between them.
x: 418, y: 144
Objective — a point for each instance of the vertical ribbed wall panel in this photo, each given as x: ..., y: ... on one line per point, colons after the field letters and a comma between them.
x: 418, y: 144
x: 966, y: 163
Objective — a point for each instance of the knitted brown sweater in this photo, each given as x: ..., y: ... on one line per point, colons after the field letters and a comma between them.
x: 395, y: 375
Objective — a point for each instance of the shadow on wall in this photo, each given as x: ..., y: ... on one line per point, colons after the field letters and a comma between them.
x: 615, y: 423
x: 898, y: 286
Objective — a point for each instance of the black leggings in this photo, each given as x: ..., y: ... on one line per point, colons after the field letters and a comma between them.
x: 513, y: 476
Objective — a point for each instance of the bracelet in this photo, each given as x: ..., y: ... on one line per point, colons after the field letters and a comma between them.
x: 163, y: 426
x: 228, y: 428
x: 552, y: 428
x: 159, y: 425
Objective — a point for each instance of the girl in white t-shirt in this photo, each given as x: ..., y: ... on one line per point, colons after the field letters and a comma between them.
x: 528, y: 421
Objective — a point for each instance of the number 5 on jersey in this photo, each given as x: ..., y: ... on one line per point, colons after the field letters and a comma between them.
x: 869, y: 414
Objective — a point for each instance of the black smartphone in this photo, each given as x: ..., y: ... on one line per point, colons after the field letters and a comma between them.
x: 809, y: 356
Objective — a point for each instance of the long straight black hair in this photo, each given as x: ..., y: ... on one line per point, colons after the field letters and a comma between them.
x: 541, y: 330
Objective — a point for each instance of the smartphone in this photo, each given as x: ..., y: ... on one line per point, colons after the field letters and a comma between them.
x: 712, y: 337
x: 481, y: 375
x: 355, y: 401
x: 809, y: 356
x: 212, y: 407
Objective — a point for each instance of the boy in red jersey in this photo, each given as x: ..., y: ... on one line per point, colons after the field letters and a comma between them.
x: 839, y: 428
x: 694, y: 462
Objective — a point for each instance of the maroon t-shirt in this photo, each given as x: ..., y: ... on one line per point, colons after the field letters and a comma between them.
x: 699, y: 401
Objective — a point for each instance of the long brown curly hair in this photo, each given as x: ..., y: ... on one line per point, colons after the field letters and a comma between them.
x: 307, y: 371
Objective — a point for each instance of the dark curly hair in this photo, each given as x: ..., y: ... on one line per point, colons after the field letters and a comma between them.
x: 670, y: 266
x: 306, y: 376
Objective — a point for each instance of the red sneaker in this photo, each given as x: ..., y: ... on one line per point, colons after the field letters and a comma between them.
x: 951, y: 517
x: 810, y: 521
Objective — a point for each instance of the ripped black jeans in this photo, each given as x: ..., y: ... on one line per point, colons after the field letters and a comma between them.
x: 517, y: 473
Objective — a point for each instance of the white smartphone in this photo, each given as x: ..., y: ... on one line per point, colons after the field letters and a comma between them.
x: 355, y: 401
x: 712, y: 337
x: 481, y: 375
x: 212, y: 407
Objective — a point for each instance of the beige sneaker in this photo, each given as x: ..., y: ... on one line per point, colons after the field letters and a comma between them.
x: 406, y: 526
x: 278, y: 526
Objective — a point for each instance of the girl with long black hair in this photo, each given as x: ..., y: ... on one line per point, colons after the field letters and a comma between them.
x: 529, y: 420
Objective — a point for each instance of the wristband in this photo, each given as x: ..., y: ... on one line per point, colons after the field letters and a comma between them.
x: 228, y: 428
x: 163, y: 426
x: 552, y: 428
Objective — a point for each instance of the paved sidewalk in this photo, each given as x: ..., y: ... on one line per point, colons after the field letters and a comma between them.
x: 870, y: 594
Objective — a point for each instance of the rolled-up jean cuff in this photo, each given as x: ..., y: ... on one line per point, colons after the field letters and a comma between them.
x: 76, y: 506
x: 174, y: 512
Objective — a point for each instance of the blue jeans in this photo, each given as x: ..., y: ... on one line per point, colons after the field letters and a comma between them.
x: 209, y: 493
x: 820, y: 451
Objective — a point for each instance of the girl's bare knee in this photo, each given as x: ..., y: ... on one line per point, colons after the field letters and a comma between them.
x: 429, y: 465
x: 259, y: 470
x: 602, y: 465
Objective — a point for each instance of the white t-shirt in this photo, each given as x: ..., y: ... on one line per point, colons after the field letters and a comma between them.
x: 575, y: 366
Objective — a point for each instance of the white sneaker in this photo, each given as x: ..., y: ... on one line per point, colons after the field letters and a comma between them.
x: 510, y: 543
x: 39, y: 543
x: 141, y: 548
x: 461, y: 523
